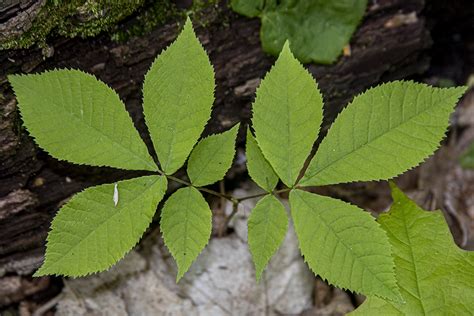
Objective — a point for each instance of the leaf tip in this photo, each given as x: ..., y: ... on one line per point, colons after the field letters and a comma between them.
x: 43, y: 271
x: 397, y: 194
x: 13, y: 77
x: 395, y: 296
x: 183, y: 268
x: 286, y: 48
x: 16, y: 80
x: 392, y: 185
x: 461, y: 91
x: 235, y: 128
x: 248, y: 133
x: 188, y: 24
x: 179, y: 276
x: 39, y: 273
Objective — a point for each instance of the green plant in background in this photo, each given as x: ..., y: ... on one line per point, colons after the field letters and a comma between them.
x: 467, y: 158
x: 382, y: 133
x: 318, y: 30
x: 435, y: 276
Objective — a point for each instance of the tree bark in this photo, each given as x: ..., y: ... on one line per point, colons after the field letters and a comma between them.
x: 390, y: 43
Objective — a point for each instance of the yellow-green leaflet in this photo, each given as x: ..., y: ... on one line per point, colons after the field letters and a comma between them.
x: 258, y: 167
x: 90, y: 233
x: 382, y: 133
x: 344, y: 245
x: 435, y: 276
x: 75, y: 117
x: 178, y: 93
x: 212, y: 157
x: 287, y: 113
x: 186, y: 224
x: 267, y: 228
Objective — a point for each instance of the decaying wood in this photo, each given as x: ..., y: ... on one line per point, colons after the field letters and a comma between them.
x: 17, y: 16
x: 390, y: 44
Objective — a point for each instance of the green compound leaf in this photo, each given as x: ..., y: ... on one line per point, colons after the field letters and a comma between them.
x: 77, y: 118
x: 258, y: 167
x: 287, y: 113
x: 317, y: 30
x: 186, y: 224
x: 178, y: 93
x: 91, y: 233
x: 383, y: 133
x: 267, y: 228
x: 343, y: 244
x: 212, y: 157
x: 434, y: 275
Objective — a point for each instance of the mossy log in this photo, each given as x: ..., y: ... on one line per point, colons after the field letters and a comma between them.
x: 391, y: 43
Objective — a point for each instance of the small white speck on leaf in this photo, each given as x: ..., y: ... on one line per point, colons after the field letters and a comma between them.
x: 116, y: 197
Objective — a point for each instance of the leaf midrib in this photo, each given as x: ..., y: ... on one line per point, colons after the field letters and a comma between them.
x: 266, y: 224
x: 415, y: 269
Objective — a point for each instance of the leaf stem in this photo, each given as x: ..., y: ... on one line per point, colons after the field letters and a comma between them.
x: 186, y: 183
x: 235, y: 201
x: 262, y: 194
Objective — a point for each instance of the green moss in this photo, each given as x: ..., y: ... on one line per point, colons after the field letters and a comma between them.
x: 42, y: 26
x: 200, y: 7
x: 97, y: 17
x: 73, y: 18
x: 85, y: 18
x: 158, y: 12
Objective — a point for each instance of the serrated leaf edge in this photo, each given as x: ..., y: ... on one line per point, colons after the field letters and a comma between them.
x: 300, y: 183
x: 254, y: 139
x: 357, y: 291
x: 287, y: 46
x: 178, y: 275
x: 188, y: 21
x: 236, y: 127
x: 153, y: 167
x: 259, y: 273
